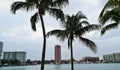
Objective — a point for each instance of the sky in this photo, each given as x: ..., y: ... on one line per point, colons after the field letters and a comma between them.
x: 17, y: 35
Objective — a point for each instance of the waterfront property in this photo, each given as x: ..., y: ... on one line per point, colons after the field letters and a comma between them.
x: 57, y: 54
x: 112, y: 58
x: 1, y: 49
x: 90, y: 59
x: 21, y: 56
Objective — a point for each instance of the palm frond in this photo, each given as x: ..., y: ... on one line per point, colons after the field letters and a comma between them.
x: 21, y: 5
x: 34, y: 19
x: 88, y: 28
x: 90, y: 44
x: 80, y: 15
x: 33, y: 1
x: 60, y: 3
x: 54, y: 32
x: 58, y: 13
x: 68, y: 21
x: 46, y: 2
x: 75, y: 21
x: 106, y: 17
x: 108, y: 27
x: 115, y: 16
x: 84, y: 22
x: 109, y: 5
x: 18, y: 5
x: 110, y: 15
x: 61, y: 34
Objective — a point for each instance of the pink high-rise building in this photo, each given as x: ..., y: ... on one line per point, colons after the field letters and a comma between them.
x: 57, y: 54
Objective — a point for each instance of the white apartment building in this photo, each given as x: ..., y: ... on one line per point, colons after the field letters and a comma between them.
x: 21, y: 56
x: 115, y: 58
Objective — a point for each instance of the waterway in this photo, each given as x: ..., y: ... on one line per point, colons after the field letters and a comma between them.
x: 66, y: 67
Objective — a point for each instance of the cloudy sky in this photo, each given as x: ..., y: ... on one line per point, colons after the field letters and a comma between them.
x: 17, y: 35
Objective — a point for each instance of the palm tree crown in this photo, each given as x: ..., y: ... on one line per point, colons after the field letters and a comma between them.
x: 51, y: 6
x: 75, y: 26
x: 111, y: 11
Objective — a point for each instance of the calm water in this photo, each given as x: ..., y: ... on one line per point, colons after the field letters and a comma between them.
x: 67, y: 67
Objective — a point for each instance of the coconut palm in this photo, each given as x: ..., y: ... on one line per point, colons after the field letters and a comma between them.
x: 113, y: 15
x: 42, y: 6
x: 110, y: 12
x: 74, y: 27
x: 109, y: 5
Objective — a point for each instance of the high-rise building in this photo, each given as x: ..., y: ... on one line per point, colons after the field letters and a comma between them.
x: 21, y: 56
x: 112, y: 58
x: 1, y: 48
x: 57, y: 54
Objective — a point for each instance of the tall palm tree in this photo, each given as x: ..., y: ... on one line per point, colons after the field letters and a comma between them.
x: 74, y: 27
x: 111, y: 11
x: 42, y: 6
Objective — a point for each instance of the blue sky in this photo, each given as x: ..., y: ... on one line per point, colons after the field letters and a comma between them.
x: 17, y: 35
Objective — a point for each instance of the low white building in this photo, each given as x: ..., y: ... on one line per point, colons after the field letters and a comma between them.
x: 21, y: 56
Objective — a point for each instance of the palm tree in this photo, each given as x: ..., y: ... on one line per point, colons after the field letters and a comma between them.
x: 110, y: 12
x: 74, y: 27
x: 42, y: 6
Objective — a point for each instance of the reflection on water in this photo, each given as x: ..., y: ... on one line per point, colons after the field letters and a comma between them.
x: 13, y: 68
x: 52, y: 67
x: 31, y: 67
x: 57, y: 67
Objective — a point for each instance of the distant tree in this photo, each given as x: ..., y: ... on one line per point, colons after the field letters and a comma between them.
x: 28, y: 61
x: 15, y: 62
x: 4, y: 61
x: 74, y: 27
x: 47, y: 62
x: 52, y: 61
x: 38, y: 62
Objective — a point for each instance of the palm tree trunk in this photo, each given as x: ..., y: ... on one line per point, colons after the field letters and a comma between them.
x: 72, y: 66
x: 44, y: 43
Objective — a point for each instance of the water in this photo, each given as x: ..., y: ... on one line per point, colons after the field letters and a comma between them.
x: 66, y: 67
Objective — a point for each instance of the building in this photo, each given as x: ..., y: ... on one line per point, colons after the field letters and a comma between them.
x: 117, y: 57
x: 21, y: 56
x: 90, y: 59
x: 112, y: 58
x: 57, y: 54
x: 1, y: 49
